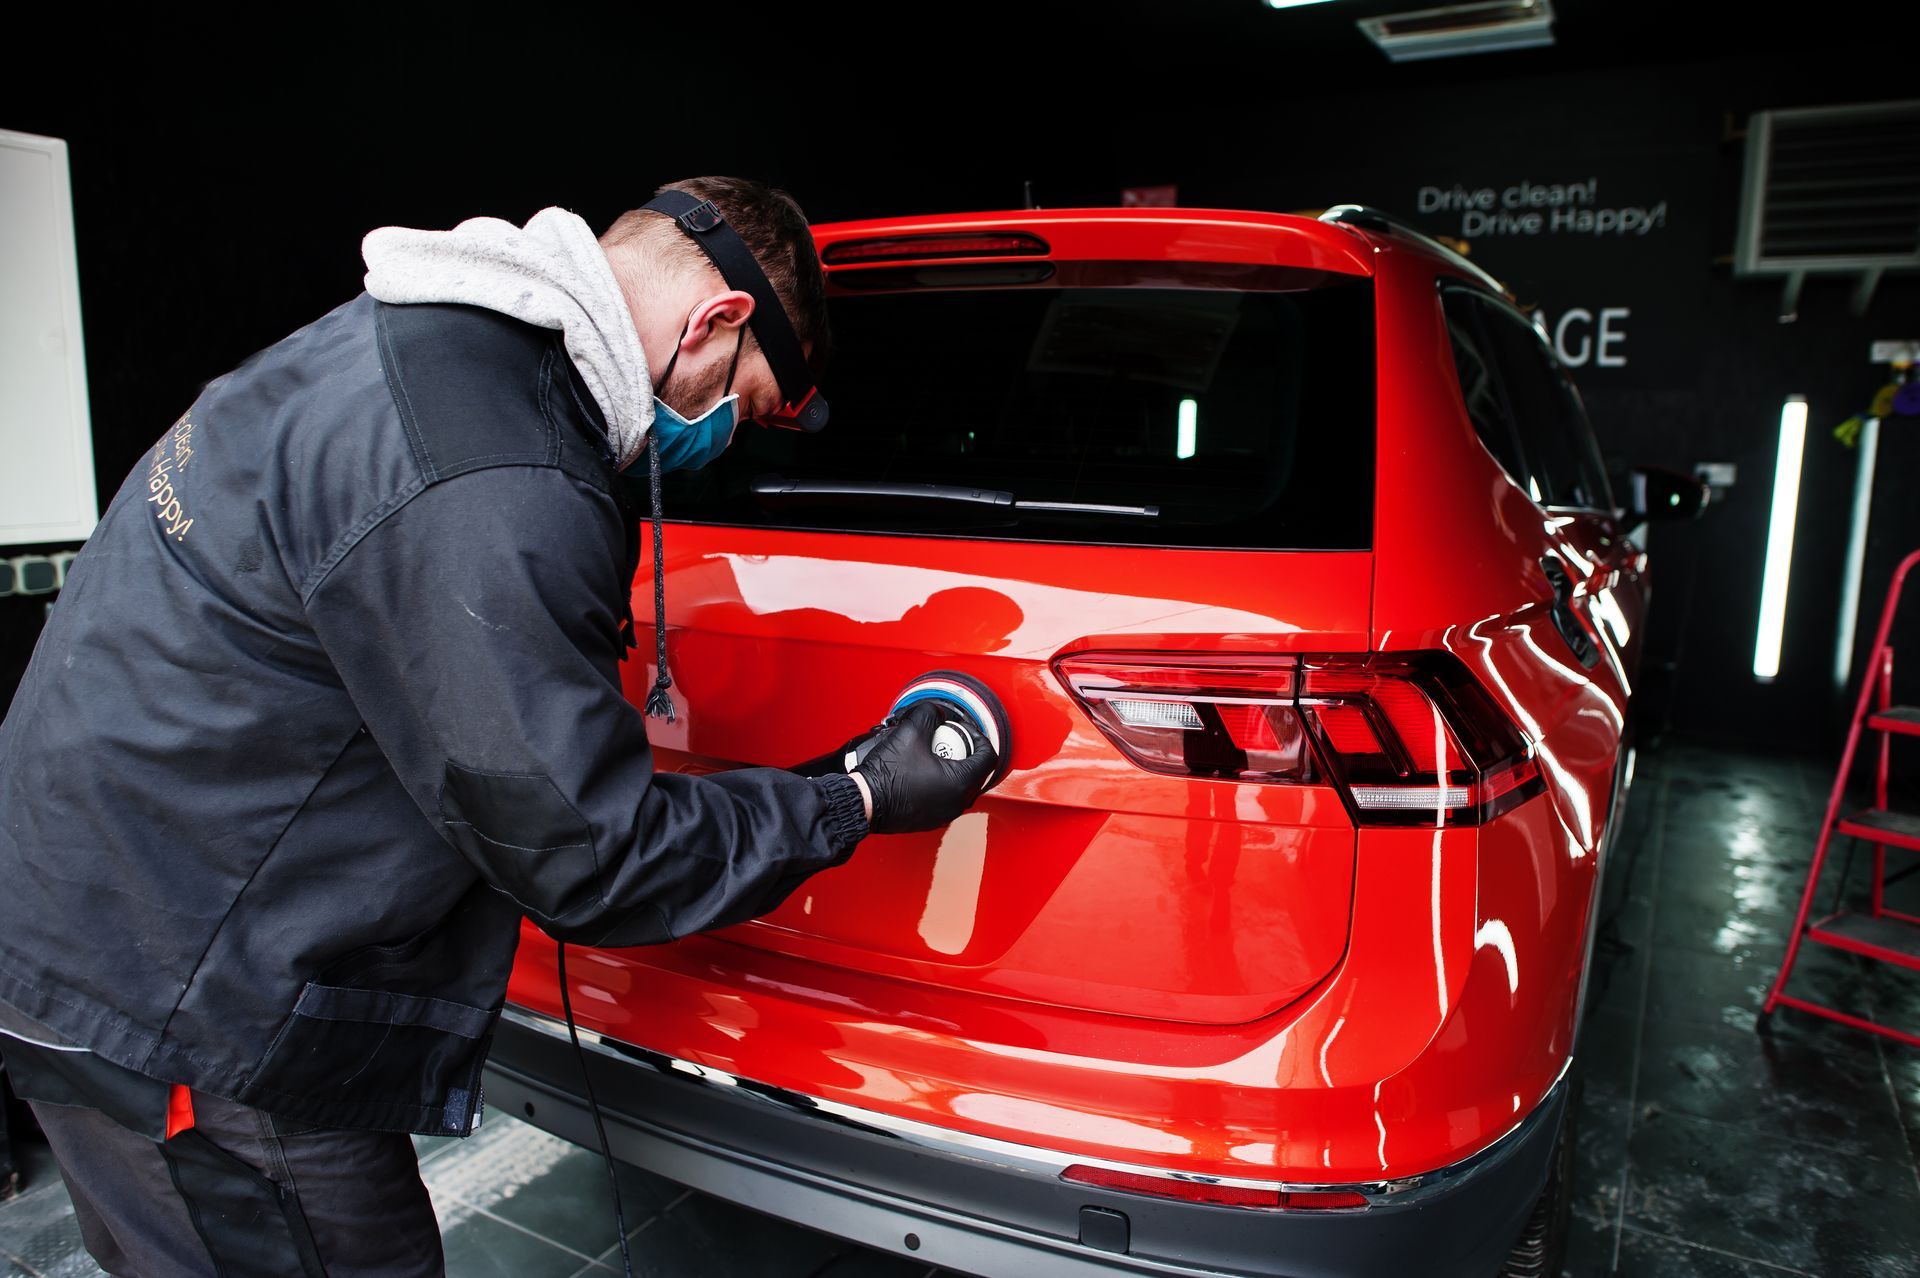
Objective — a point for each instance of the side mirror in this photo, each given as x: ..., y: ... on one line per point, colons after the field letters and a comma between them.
x: 1661, y: 494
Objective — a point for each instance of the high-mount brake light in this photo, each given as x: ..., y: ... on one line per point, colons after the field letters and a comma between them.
x: 1407, y: 738
x: 921, y: 248
x: 1217, y: 1195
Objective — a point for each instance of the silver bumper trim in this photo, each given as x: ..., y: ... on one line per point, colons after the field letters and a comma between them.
x: 1032, y: 1159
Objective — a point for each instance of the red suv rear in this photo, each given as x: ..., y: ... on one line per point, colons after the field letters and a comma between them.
x: 1287, y: 546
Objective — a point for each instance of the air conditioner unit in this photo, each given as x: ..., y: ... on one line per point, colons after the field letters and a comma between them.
x: 1461, y: 29
x: 1831, y: 191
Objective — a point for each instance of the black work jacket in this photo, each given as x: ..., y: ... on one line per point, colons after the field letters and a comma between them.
x: 329, y: 700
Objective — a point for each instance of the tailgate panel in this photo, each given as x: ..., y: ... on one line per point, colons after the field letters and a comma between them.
x: 1082, y: 881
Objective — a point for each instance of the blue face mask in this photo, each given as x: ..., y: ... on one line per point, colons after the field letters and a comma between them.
x: 690, y: 445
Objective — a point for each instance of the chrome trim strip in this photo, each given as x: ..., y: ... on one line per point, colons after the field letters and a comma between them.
x: 1031, y: 1159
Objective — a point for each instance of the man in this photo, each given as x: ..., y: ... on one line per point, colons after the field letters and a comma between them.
x: 331, y: 699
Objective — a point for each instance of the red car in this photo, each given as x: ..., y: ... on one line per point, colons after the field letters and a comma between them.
x: 1287, y: 545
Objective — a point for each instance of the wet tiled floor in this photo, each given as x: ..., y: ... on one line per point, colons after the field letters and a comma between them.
x: 1705, y: 1150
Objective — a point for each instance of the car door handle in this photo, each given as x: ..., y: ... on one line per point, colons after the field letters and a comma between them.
x: 1565, y: 619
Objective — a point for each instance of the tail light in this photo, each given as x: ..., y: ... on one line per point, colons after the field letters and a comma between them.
x: 1202, y: 1191
x: 1407, y: 738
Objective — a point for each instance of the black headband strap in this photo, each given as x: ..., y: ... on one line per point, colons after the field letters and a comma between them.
x: 708, y: 228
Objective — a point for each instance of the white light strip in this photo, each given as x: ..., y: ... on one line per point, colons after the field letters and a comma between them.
x: 1189, y: 429
x: 1786, y: 506
x: 1291, y: 4
x: 1409, y: 798
x: 1856, y: 552
x: 1155, y: 714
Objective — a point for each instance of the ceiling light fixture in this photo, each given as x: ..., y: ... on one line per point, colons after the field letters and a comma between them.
x: 1461, y: 29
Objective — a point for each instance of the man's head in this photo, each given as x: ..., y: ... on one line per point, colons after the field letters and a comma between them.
x: 688, y: 315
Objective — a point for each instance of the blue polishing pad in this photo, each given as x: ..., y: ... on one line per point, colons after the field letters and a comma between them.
x: 974, y: 699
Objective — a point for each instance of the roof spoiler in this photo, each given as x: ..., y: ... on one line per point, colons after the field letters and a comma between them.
x: 1369, y: 219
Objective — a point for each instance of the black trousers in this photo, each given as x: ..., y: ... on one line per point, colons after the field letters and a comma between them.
x: 244, y: 1195
x: 7, y: 1172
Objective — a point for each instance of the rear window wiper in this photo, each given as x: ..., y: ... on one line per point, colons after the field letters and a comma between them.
x: 775, y: 493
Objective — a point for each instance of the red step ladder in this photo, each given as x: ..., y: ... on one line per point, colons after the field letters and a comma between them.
x: 1878, y: 933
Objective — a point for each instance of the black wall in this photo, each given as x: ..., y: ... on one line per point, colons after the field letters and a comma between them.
x: 223, y: 178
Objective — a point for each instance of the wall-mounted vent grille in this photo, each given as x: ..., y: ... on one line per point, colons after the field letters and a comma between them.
x: 1831, y: 190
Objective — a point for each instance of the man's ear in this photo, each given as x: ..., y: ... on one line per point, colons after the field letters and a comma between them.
x: 721, y: 316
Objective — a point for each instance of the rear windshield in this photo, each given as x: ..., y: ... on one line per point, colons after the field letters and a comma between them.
x: 1078, y: 410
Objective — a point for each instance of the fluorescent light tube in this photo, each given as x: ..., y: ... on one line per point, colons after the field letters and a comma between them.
x: 1786, y: 506
x: 1869, y: 444
x: 1189, y: 429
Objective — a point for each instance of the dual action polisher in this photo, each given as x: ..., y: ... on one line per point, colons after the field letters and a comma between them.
x: 972, y: 719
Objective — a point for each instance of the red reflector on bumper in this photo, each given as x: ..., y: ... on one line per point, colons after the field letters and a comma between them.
x: 1200, y: 1191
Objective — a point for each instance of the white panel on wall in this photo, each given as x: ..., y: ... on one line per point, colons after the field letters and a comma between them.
x: 46, y: 476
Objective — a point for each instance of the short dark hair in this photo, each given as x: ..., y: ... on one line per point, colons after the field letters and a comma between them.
x: 770, y: 223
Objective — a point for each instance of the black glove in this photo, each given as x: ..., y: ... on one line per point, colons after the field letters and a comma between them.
x: 834, y: 760
x: 913, y: 788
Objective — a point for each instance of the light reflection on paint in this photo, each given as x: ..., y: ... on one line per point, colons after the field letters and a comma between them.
x: 1566, y: 782
x: 1019, y: 1114
x: 1492, y: 666
x: 1326, y: 1045
x: 770, y: 584
x: 1495, y: 933
x: 953, y: 893
x: 1439, y: 951
x: 1259, y: 1067
x: 1607, y: 608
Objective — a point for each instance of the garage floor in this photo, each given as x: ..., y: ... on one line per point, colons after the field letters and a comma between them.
x: 1705, y: 1149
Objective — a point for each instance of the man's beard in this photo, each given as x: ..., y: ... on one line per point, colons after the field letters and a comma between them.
x: 690, y: 398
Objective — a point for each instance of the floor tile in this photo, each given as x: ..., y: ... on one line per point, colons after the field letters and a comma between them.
x: 545, y: 1185
x: 1798, y: 1083
x: 1600, y: 1156
x: 1903, y: 1071
x: 715, y: 1239
x: 1589, y: 1247
x: 866, y: 1263
x: 1694, y: 926
x: 429, y: 1147
x: 1729, y: 989
x: 478, y: 1246
x: 1649, y: 1256
x: 1895, y: 991
x: 1618, y: 978
x: 1607, y: 1044
x: 1749, y: 1196
x: 37, y: 1228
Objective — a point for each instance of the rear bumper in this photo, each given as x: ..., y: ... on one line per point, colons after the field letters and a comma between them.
x: 990, y: 1207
